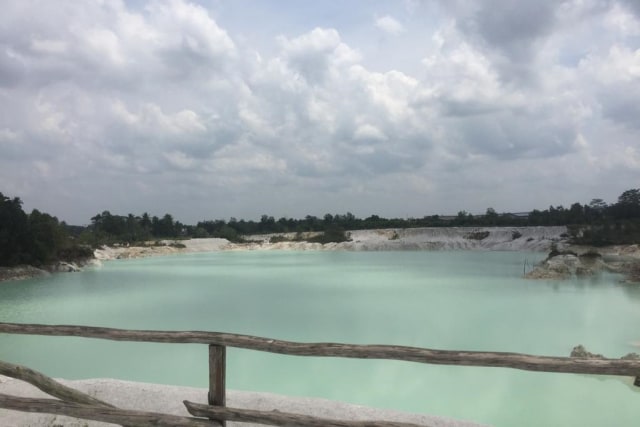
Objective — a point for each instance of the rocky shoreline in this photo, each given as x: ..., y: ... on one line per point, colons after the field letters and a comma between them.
x: 22, y: 272
x: 581, y: 262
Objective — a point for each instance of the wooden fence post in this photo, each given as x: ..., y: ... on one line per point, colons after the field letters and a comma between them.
x: 217, y: 374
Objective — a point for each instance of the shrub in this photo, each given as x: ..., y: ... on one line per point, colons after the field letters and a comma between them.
x: 278, y: 238
x: 591, y: 254
x: 333, y: 234
x: 478, y: 235
x: 75, y: 252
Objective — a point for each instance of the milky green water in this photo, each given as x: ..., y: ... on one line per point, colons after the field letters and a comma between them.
x: 446, y: 300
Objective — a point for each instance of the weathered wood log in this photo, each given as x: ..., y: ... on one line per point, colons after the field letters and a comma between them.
x: 412, y: 354
x: 285, y: 419
x: 217, y: 376
x: 49, y: 385
x: 100, y: 413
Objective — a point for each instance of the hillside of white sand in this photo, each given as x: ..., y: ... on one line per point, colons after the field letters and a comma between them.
x: 436, y: 238
x: 168, y: 400
x: 449, y: 238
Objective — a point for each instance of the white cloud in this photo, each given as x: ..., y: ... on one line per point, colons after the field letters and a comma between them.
x: 620, y: 64
x: 369, y: 132
x: 622, y: 21
x: 313, y: 55
x: 389, y: 25
x: 179, y: 159
x: 8, y: 135
x: 390, y: 91
x: 464, y: 79
x: 152, y: 120
x: 49, y: 46
x: 185, y: 26
x: 182, y: 98
x: 104, y: 44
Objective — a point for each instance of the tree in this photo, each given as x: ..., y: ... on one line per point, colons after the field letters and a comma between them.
x: 46, y: 237
x: 164, y: 227
x: 14, y: 232
x: 285, y: 224
x: 229, y: 233
x: 267, y: 224
x: 145, y: 222
x: 628, y: 206
x: 155, y: 226
x: 537, y: 217
x: 200, y: 232
x: 463, y: 218
x: 630, y: 197
x: 491, y: 217
x: 34, y: 239
x: 310, y: 223
x: 597, y: 204
x: 106, y: 223
x: 576, y: 214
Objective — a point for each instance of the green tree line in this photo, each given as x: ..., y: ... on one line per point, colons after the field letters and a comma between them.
x: 594, y: 223
x: 39, y: 238
x: 107, y: 228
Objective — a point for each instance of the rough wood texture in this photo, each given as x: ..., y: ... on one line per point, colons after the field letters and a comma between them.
x: 48, y: 385
x: 277, y: 418
x: 217, y: 376
x: 100, y: 413
x: 421, y: 355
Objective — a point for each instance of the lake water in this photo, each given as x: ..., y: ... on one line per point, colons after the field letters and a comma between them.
x: 445, y: 300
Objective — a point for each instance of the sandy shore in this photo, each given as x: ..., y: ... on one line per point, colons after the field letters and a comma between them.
x: 167, y: 247
x: 168, y: 399
x: 449, y: 238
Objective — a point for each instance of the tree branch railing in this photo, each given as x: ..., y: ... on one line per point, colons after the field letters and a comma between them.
x: 411, y: 354
x: 218, y: 342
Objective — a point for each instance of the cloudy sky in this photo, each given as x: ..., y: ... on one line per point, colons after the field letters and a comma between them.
x: 212, y: 109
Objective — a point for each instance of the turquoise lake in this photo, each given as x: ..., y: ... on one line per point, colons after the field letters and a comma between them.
x: 457, y: 300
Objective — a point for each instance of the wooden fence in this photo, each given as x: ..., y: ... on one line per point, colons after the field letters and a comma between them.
x: 76, y: 404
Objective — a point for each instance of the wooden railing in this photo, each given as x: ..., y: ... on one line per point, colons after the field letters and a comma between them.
x: 78, y: 405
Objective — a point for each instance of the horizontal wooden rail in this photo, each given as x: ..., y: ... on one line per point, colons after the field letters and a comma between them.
x: 152, y: 419
x: 277, y: 418
x: 412, y: 354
